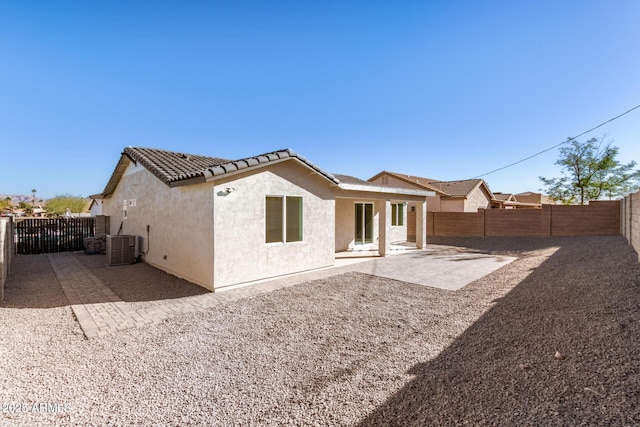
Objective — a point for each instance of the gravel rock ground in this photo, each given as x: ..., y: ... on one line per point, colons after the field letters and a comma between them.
x: 550, y: 339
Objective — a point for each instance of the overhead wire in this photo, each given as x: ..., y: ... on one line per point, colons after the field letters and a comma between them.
x: 559, y: 144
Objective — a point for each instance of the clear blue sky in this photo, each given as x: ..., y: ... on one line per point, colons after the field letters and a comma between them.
x: 443, y: 89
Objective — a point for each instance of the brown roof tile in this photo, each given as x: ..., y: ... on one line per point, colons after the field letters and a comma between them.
x: 416, y: 180
x: 447, y: 188
x: 172, y: 167
x: 348, y: 179
x: 456, y: 188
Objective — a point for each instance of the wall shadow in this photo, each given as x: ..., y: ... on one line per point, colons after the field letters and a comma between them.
x: 581, y: 302
x: 140, y: 281
x: 32, y: 283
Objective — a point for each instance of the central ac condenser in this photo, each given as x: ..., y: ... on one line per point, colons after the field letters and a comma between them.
x: 121, y: 250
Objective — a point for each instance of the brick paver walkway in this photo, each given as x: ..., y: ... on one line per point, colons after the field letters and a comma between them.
x: 100, y: 311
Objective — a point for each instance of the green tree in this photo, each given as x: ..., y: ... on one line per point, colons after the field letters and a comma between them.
x: 5, y: 203
x: 591, y: 172
x: 59, y: 204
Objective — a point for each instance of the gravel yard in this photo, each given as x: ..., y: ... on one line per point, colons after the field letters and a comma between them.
x: 549, y: 339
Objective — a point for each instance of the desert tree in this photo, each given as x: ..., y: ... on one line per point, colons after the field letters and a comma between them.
x: 590, y: 171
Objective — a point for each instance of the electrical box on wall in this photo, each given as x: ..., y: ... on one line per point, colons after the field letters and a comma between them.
x: 121, y: 250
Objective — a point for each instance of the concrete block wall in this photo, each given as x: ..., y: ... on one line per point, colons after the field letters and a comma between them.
x: 514, y: 222
x: 411, y: 226
x: 634, y: 221
x: 103, y: 225
x: 630, y: 220
x: 597, y: 218
x: 6, y: 251
x: 455, y: 224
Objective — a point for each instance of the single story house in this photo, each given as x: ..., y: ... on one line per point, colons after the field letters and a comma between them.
x: 510, y: 201
x: 532, y: 197
x: 218, y: 222
x: 467, y: 195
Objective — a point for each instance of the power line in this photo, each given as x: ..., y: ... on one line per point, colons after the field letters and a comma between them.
x: 557, y: 145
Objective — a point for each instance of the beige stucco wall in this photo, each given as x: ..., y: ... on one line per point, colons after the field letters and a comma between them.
x: 345, y: 224
x: 180, y: 219
x: 241, y: 252
x: 477, y: 199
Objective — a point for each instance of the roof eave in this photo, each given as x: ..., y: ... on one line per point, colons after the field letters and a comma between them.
x: 221, y: 171
x: 382, y: 189
x: 429, y: 187
x: 123, y: 163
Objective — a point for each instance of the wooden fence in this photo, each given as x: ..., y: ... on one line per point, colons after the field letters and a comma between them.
x: 44, y: 235
x: 597, y: 218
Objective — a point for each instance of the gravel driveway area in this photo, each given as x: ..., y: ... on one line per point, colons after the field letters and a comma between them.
x: 549, y: 339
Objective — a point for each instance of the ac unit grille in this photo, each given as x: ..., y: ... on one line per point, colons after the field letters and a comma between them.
x: 121, y: 250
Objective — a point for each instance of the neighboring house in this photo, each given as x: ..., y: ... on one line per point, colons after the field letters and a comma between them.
x: 95, y: 207
x: 450, y: 196
x: 530, y: 197
x: 218, y: 223
x: 503, y: 200
x: 510, y: 201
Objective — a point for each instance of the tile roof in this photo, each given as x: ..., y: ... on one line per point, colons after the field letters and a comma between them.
x: 457, y: 188
x: 348, y: 179
x: 446, y: 188
x: 415, y: 180
x: 504, y: 196
x: 170, y: 166
x: 249, y: 162
x: 175, y: 168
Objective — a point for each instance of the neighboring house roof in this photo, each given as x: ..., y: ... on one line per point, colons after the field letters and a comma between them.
x: 411, y: 179
x: 459, y: 188
x: 175, y: 169
x: 506, y: 197
x: 348, y: 179
x: 445, y: 188
x: 530, y: 196
x: 351, y: 183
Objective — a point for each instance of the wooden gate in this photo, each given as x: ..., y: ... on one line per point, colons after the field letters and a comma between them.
x: 44, y: 235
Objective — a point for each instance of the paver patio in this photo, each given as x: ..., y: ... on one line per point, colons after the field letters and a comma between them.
x: 100, y: 311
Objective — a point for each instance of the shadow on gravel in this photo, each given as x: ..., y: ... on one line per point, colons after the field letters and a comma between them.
x: 581, y: 302
x: 139, y: 282
x: 513, y: 246
x: 32, y: 284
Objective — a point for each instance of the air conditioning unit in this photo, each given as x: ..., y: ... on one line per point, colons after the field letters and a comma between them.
x: 121, y: 250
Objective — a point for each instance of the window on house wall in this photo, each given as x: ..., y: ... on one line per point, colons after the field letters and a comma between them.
x: 293, y: 219
x: 397, y: 214
x: 283, y: 219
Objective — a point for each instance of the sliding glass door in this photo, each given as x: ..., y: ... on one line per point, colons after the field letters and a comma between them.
x: 364, y: 223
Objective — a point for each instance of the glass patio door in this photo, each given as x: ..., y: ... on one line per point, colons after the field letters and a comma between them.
x: 364, y: 223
